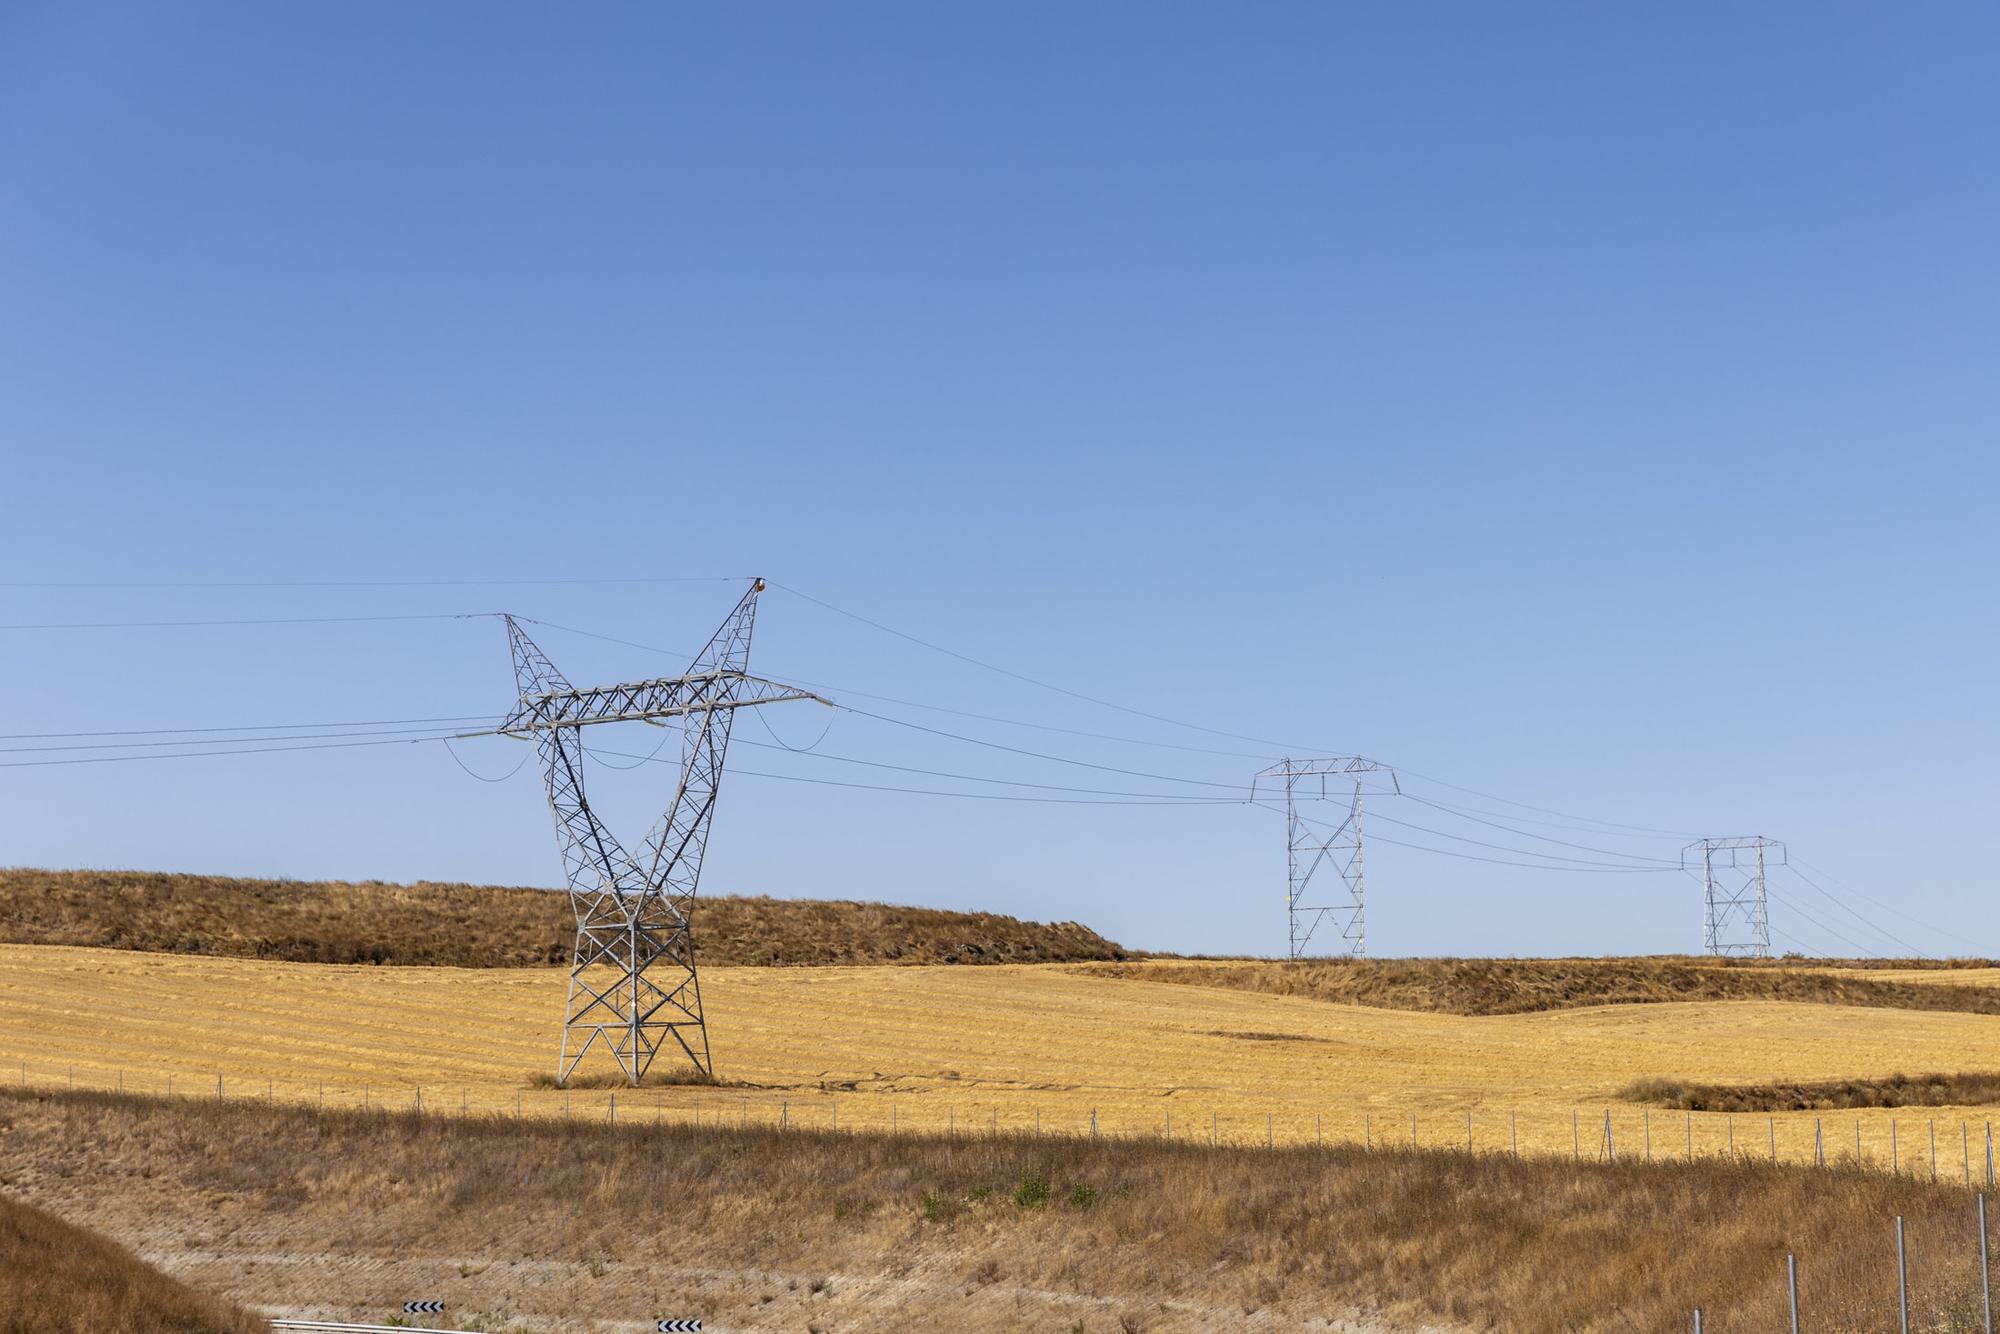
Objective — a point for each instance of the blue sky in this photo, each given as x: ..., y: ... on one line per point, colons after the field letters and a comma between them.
x: 1588, y: 406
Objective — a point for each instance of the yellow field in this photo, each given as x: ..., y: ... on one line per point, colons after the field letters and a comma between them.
x: 968, y: 1048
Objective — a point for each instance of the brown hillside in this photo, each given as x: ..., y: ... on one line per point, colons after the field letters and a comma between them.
x: 776, y: 1229
x: 1958, y: 1089
x: 1522, y: 986
x: 56, y: 1278
x: 483, y: 926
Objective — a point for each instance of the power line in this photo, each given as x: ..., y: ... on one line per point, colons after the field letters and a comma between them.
x: 1029, y: 680
x: 1851, y: 912
x: 260, y: 620
x: 1160, y: 800
x: 1470, y: 857
x: 416, y: 732
x: 267, y: 727
x: 1544, y: 838
x: 372, y: 583
x: 1039, y: 755
x: 206, y: 754
x: 1546, y: 810
x: 1890, y: 907
x: 1865, y: 952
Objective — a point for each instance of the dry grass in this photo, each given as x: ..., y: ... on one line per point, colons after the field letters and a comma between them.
x: 1162, y: 1236
x: 1528, y: 986
x: 485, y: 926
x: 1953, y: 1090
x: 930, y: 1047
x: 56, y: 1278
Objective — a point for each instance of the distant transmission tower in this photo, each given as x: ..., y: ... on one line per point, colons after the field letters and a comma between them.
x: 1324, y: 873
x: 632, y: 980
x: 1735, y: 916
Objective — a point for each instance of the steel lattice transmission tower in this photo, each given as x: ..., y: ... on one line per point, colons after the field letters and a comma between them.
x: 1735, y: 915
x: 632, y: 981
x: 1325, y: 873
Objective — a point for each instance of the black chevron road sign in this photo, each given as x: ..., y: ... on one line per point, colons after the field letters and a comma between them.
x: 679, y: 1327
x: 422, y: 1308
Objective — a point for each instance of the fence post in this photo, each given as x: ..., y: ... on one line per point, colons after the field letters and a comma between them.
x: 1732, y: 1134
x: 1934, y: 1148
x: 1985, y: 1278
x: 1319, y: 1131
x: 951, y: 1122
x: 1468, y: 1132
x: 1690, y: 1117
x: 1367, y: 1130
x: 1575, y: 1142
x: 1093, y: 1123
x: 1902, y: 1278
x: 1774, y: 1137
x: 1989, y: 1155
x: 1857, y: 1141
x: 892, y: 1119
x: 784, y: 1113
x: 1895, y: 1156
x: 1211, y: 1127
x: 1646, y: 1121
x: 1792, y: 1282
x: 1514, y: 1132
x: 1413, y: 1130
x: 1267, y: 1130
x: 1610, y: 1148
x: 1819, y: 1145
x: 1697, y: 1320
x: 611, y: 1112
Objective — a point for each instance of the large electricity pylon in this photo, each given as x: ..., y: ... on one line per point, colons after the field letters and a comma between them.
x: 1306, y: 851
x: 632, y: 980
x: 1735, y: 916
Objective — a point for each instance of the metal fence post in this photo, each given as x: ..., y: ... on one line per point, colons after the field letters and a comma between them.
x: 1697, y: 1320
x: 1902, y: 1277
x: 1093, y: 1123
x: 1819, y: 1145
x: 1989, y: 1155
x: 1413, y: 1130
x: 1468, y: 1132
x: 1774, y: 1137
x: 1690, y: 1119
x: 1732, y: 1134
x: 1792, y: 1282
x: 1646, y: 1120
x: 1985, y: 1277
x: 1267, y: 1130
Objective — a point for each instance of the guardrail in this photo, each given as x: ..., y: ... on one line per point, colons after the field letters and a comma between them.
x: 336, y: 1327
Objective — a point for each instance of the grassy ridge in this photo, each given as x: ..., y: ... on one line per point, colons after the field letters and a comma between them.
x: 56, y: 1278
x: 1949, y: 1090
x: 1484, y: 1242
x: 478, y: 926
x: 1525, y: 986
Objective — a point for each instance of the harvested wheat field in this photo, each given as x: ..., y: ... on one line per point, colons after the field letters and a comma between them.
x: 1012, y: 1047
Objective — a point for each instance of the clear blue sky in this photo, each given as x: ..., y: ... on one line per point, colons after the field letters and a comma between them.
x: 1589, y: 405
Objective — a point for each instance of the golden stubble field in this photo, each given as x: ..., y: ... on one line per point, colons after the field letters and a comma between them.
x: 968, y: 1049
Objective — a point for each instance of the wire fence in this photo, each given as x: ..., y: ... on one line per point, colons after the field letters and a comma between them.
x: 1955, y: 1150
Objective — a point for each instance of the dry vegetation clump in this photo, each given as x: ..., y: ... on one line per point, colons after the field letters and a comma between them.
x: 485, y: 926
x: 1485, y: 1242
x: 56, y: 1278
x: 1523, y: 986
x: 1950, y: 1090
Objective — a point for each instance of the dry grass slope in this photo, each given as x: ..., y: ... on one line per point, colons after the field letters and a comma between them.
x: 1529, y: 986
x: 483, y: 926
x: 1950, y: 1090
x: 56, y: 1278
x: 1153, y: 1230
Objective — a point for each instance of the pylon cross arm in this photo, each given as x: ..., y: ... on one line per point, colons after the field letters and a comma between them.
x: 643, y: 701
